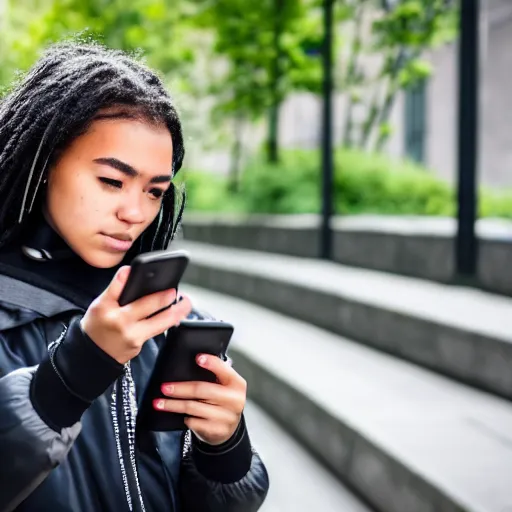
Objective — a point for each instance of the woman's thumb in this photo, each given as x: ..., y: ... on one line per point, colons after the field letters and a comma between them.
x: 117, y: 284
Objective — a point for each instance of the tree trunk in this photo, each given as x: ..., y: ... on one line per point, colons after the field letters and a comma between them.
x: 370, y: 121
x: 273, y: 134
x: 236, y: 155
x: 383, y: 117
x: 352, y: 73
x: 403, y: 59
x: 375, y: 116
x: 276, y: 74
x: 380, y: 115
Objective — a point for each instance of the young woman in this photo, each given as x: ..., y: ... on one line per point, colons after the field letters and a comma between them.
x: 89, y: 144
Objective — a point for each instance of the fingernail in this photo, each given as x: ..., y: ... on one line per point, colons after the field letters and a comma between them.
x: 159, y: 404
x: 168, y: 389
x: 121, y: 274
x: 202, y: 360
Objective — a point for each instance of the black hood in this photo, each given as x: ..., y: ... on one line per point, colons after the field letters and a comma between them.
x: 42, y: 262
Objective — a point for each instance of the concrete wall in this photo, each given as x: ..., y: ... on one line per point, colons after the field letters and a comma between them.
x: 301, y: 114
x: 300, y: 120
x: 495, y: 101
x: 421, y: 248
x: 441, y: 114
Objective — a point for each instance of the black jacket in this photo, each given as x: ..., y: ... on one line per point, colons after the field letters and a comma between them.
x: 91, y: 465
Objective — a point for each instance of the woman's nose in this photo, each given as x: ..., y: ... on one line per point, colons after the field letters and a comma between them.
x: 131, y: 211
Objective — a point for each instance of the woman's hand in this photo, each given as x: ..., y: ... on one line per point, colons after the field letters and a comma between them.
x: 122, y: 331
x: 214, y: 410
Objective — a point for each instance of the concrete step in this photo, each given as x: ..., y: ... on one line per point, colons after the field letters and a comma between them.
x: 298, y: 482
x: 463, y: 333
x: 416, y: 246
x: 404, y: 438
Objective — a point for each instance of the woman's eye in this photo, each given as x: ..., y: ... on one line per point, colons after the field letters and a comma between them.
x: 157, y: 193
x: 112, y: 183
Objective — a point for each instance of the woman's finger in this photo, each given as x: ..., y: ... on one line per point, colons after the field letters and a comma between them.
x: 146, y: 306
x: 225, y: 373
x: 151, y: 327
x: 214, y: 394
x: 195, y: 409
x: 115, y: 288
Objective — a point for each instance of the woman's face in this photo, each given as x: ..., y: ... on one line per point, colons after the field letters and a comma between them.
x: 107, y: 188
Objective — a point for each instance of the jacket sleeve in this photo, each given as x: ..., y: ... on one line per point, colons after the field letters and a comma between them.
x: 29, y: 448
x: 41, y: 406
x: 231, y: 480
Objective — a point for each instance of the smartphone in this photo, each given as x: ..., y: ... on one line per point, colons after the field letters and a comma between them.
x: 176, y: 362
x: 153, y: 272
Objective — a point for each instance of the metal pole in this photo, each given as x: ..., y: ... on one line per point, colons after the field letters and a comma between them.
x: 469, y: 49
x: 327, y: 149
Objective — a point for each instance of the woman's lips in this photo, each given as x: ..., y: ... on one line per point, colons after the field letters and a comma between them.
x: 116, y: 244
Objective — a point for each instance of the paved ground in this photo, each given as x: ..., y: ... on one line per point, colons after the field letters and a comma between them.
x: 468, y: 309
x: 454, y: 437
x: 298, y: 482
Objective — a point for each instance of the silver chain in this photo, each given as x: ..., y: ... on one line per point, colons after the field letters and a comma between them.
x: 130, y: 414
x: 130, y: 409
x: 115, y: 423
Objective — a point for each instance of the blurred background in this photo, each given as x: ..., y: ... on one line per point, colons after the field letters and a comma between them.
x: 349, y: 188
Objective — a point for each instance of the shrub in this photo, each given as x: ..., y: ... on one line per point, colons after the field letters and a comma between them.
x: 373, y: 183
x: 207, y: 192
x: 364, y: 183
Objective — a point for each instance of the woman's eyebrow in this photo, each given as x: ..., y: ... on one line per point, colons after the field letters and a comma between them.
x: 128, y: 170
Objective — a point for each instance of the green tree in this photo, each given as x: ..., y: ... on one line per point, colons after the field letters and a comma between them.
x: 162, y: 32
x: 401, y: 32
x: 271, y: 49
x: 160, y: 29
x: 14, y: 19
x: 353, y: 75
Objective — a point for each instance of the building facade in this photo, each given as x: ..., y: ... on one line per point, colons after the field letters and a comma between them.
x: 424, y: 120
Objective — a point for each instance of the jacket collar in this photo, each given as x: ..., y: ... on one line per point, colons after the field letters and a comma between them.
x: 22, y: 302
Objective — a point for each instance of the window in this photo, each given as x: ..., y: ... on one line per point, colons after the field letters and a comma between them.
x: 415, y: 123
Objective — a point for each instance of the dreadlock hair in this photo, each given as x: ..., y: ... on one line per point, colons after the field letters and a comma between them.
x: 72, y: 85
